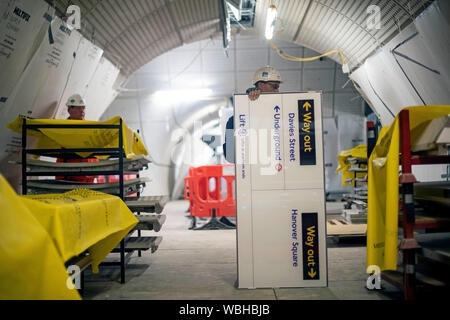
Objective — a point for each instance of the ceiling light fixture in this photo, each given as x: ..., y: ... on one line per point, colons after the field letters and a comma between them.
x: 270, y: 21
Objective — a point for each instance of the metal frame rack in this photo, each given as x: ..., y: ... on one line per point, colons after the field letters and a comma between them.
x: 359, y: 195
x: 409, y: 244
x: 70, y: 152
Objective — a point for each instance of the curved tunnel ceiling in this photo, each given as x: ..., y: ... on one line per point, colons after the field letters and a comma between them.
x: 325, y: 25
x: 133, y: 32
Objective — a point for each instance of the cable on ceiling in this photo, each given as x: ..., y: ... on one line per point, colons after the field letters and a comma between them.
x: 287, y: 56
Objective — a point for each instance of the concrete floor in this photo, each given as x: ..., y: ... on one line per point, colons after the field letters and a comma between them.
x: 201, y: 265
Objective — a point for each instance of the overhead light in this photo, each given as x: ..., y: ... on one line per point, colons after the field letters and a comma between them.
x: 270, y: 21
x: 172, y: 96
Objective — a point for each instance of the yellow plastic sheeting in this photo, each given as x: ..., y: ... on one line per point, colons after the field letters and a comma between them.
x: 358, y: 152
x: 49, y: 138
x: 30, y: 266
x: 383, y: 184
x: 81, y: 220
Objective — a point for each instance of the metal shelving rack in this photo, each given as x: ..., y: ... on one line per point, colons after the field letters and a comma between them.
x: 359, y: 195
x: 408, y: 244
x: 70, y: 153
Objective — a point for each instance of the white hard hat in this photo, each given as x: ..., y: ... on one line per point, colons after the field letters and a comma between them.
x: 75, y: 100
x: 266, y: 74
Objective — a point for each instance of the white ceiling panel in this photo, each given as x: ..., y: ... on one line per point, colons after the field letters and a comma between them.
x: 291, y: 81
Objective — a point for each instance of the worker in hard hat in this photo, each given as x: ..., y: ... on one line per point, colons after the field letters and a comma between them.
x: 76, y: 107
x: 265, y: 80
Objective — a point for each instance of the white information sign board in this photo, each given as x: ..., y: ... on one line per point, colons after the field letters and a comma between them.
x: 280, y: 191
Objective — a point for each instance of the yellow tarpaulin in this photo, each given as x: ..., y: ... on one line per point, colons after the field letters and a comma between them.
x: 358, y: 152
x: 30, y: 266
x: 51, y: 138
x: 383, y: 185
x: 81, y: 220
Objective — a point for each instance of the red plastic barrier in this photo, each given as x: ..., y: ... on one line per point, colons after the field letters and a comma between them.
x: 203, y: 200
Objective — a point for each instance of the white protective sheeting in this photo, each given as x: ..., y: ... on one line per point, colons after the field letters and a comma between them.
x: 41, y: 85
x: 412, y: 69
x: 86, y: 60
x: 100, y: 91
x: 39, y: 89
x: 23, y: 24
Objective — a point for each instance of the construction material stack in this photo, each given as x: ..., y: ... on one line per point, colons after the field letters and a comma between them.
x: 114, y: 169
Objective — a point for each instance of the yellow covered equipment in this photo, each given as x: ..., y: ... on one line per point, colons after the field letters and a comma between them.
x: 40, y: 233
x: 383, y: 185
x: 357, y: 152
x: 55, y: 138
x: 30, y: 265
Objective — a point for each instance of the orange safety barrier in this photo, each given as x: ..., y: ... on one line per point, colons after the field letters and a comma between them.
x: 205, y: 202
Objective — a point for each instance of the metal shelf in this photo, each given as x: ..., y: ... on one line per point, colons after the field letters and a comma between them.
x: 409, y: 220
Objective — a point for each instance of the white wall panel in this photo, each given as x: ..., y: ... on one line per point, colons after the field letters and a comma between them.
x: 347, y: 102
x: 188, y: 81
x: 179, y: 60
x: 327, y: 105
x: 291, y: 81
x: 251, y: 59
x: 279, y: 63
x: 151, y: 82
x: 217, y: 61
x: 252, y: 43
x: 351, y: 131
x: 158, y: 64
x: 330, y: 148
x: 317, y: 79
x: 244, y: 81
x: 126, y: 108
x: 220, y: 85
